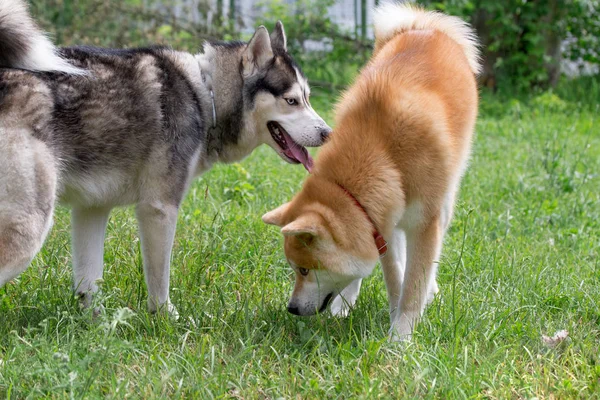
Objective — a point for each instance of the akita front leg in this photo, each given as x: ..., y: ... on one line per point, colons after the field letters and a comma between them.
x: 88, y: 226
x: 343, y: 302
x: 393, y: 264
x: 157, y: 222
x: 423, y: 244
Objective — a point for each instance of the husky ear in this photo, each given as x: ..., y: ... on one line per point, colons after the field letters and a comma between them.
x: 258, y: 52
x: 275, y: 217
x: 278, y: 39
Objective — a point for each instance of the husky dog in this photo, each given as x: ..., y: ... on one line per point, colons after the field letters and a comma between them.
x: 390, y: 172
x: 97, y: 128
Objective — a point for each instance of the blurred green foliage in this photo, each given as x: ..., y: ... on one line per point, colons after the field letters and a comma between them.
x: 524, y: 41
x: 130, y: 23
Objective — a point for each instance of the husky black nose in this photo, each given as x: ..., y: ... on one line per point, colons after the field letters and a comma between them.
x: 293, y: 309
x: 325, y: 132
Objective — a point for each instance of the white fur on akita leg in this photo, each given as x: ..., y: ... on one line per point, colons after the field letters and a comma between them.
x: 433, y: 290
x: 393, y: 264
x: 402, y: 328
x: 343, y: 302
x: 88, y: 228
x: 157, y: 222
x: 423, y: 244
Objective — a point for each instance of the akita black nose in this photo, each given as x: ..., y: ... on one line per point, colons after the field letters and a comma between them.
x: 293, y: 309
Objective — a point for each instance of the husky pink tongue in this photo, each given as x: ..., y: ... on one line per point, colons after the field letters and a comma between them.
x: 297, y: 152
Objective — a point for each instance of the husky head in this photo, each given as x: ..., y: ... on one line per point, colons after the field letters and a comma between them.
x: 277, y: 93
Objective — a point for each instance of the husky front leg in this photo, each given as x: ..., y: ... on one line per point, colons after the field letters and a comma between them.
x: 423, y: 244
x: 157, y: 222
x: 88, y: 227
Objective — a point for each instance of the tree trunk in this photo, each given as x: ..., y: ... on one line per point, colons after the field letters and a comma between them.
x: 363, y: 15
x: 356, y: 19
x: 219, y: 13
x: 553, y: 44
x: 488, y: 74
x: 232, y: 15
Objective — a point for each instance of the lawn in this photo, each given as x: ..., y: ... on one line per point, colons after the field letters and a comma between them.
x: 520, y: 260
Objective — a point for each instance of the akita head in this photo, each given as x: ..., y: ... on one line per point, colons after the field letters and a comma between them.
x: 278, y: 93
x: 327, y: 246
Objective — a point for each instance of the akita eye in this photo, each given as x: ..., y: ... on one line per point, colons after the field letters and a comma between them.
x: 292, y: 102
x: 303, y: 271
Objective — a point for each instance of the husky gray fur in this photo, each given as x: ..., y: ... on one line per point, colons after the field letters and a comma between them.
x: 99, y: 128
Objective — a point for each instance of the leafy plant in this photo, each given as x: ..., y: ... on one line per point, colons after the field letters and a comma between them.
x: 524, y: 41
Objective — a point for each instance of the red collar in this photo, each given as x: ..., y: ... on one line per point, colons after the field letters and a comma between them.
x: 379, y: 240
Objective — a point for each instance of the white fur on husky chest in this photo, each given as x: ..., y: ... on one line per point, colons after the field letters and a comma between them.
x: 99, y: 188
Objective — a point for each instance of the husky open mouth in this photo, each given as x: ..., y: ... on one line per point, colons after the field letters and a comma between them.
x: 291, y: 150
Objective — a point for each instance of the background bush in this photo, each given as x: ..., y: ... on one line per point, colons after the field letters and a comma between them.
x: 524, y: 42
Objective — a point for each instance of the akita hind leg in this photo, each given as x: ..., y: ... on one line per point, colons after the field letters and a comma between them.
x: 27, y: 197
x: 423, y: 246
x: 445, y: 219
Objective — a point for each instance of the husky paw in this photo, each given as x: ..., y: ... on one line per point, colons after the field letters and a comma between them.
x: 172, y: 311
x: 85, y: 299
x: 166, y: 308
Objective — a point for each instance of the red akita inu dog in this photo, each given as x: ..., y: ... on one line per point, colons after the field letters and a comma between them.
x: 390, y: 172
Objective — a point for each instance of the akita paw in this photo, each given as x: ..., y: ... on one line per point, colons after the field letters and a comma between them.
x: 402, y: 329
x: 433, y: 290
x: 400, y: 334
x: 340, y: 307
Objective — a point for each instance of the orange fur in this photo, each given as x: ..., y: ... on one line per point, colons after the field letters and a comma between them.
x: 400, y: 146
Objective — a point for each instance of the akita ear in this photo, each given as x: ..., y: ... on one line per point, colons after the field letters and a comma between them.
x: 307, y: 225
x: 258, y: 52
x: 275, y: 217
x: 278, y: 39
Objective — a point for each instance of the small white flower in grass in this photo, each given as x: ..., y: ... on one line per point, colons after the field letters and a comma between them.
x: 555, y: 340
x: 120, y: 317
x: 193, y: 323
x: 61, y: 356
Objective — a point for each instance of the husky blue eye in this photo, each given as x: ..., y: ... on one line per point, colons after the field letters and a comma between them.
x: 303, y: 271
x: 291, y: 102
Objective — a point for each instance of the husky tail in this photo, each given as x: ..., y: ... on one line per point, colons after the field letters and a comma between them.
x: 392, y: 19
x: 24, y: 45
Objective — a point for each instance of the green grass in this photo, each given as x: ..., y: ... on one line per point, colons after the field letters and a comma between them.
x: 520, y: 260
